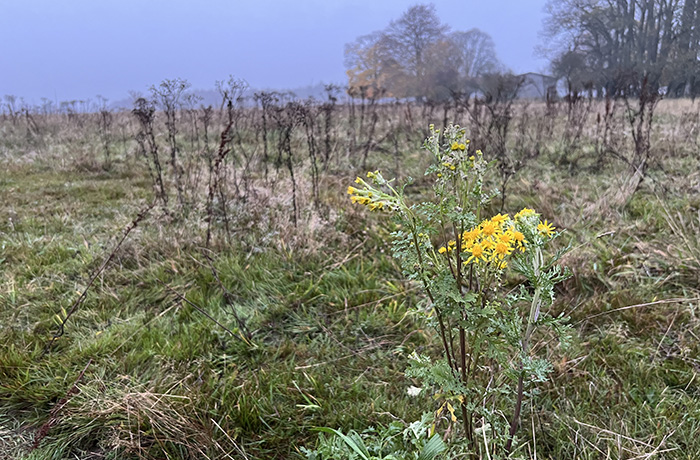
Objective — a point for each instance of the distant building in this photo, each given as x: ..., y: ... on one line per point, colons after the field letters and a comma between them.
x: 537, y: 86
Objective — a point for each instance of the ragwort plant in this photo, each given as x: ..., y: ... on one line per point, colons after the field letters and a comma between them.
x: 466, y: 263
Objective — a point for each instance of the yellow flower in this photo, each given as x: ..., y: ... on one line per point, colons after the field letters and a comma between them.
x: 359, y: 199
x: 520, y: 239
x: 462, y: 146
x: 489, y: 228
x: 502, y: 250
x: 506, y: 237
x: 471, y: 234
x: 525, y: 212
x: 442, y: 250
x: 499, y: 218
x: 455, y: 146
x: 546, y: 229
x: 351, y: 190
x: 477, y: 253
x: 467, y: 245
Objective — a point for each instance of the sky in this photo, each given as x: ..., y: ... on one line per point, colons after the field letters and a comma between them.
x: 78, y: 49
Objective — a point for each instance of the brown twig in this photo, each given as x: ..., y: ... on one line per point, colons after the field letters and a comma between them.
x: 214, y: 180
x: 141, y: 215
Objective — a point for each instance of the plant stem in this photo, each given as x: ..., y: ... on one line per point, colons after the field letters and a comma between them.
x: 532, y: 319
x: 516, y: 414
x: 414, y: 228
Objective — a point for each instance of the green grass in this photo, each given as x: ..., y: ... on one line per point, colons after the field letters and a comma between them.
x: 331, y: 319
x: 327, y: 346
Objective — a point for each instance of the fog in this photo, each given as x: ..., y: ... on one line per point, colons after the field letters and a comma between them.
x: 80, y: 49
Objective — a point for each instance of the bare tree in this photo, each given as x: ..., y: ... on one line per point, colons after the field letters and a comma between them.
x: 410, y: 38
x: 624, y: 43
x: 372, y: 67
x: 477, y: 53
x: 415, y: 56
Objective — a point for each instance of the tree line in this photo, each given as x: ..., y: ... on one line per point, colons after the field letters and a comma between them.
x: 418, y: 56
x: 604, y: 48
x: 622, y: 47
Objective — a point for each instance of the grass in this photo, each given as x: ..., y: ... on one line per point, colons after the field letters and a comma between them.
x: 331, y: 320
x: 324, y: 333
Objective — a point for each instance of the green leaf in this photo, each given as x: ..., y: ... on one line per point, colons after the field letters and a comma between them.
x: 434, y: 447
x: 355, y: 443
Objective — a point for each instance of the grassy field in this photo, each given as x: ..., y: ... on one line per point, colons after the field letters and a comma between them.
x: 294, y: 315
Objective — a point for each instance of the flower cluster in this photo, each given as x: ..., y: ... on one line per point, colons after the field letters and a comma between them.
x: 459, y: 145
x: 371, y: 196
x: 494, y: 239
x: 452, y: 160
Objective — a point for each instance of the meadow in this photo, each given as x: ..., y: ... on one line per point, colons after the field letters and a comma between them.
x: 181, y: 282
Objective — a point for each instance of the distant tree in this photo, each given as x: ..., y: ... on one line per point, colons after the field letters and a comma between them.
x: 410, y: 38
x: 416, y: 56
x: 574, y: 68
x: 684, y: 70
x: 10, y: 107
x: 372, y: 68
x: 47, y: 106
x: 477, y: 53
x: 626, y: 44
x: 442, y: 78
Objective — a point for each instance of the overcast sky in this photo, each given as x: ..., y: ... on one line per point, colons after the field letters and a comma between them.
x: 77, y: 49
